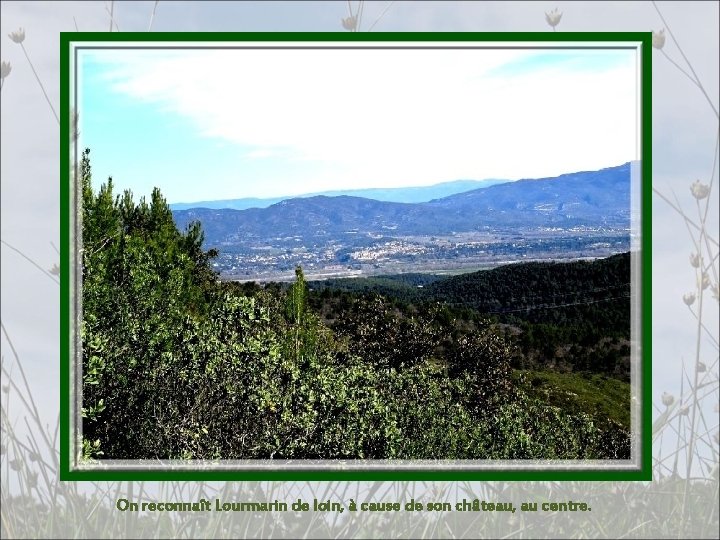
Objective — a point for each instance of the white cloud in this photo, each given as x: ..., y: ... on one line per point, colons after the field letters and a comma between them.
x: 392, y: 116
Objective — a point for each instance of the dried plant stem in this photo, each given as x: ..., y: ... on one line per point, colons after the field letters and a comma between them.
x: 381, y: 15
x: 152, y: 15
x: 709, y: 198
x: 361, y: 8
x: 111, y: 12
x: 42, y: 87
x: 4, y: 413
x: 31, y: 406
x: 695, y: 401
x: 679, y: 418
x: 697, y: 79
x: 350, y: 10
x: 36, y: 265
x: 696, y: 243
x: 708, y: 238
x: 707, y: 330
x: 358, y: 14
x: 674, y: 63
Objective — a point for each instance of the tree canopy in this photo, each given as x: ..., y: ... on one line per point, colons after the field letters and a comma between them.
x: 178, y: 365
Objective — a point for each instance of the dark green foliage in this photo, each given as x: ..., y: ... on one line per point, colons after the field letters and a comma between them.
x: 547, y: 292
x: 381, y: 335
x: 407, y: 288
x: 179, y: 365
x: 571, y: 316
x: 485, y: 360
x: 554, y: 306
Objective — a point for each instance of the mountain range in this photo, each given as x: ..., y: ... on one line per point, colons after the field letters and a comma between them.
x: 413, y: 194
x: 589, y: 198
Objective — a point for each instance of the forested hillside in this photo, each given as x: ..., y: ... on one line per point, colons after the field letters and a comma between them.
x: 574, y: 316
x: 179, y: 365
x: 595, y: 294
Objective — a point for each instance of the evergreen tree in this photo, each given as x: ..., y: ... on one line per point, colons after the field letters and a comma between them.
x: 177, y: 365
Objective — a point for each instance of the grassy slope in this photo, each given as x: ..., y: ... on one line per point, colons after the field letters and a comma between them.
x: 595, y: 394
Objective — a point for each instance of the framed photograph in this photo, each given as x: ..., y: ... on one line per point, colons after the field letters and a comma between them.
x: 330, y: 256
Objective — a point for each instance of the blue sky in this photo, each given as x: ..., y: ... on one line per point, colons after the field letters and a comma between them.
x: 219, y: 124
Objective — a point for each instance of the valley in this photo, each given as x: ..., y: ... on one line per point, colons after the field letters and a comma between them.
x: 584, y: 215
x: 353, y: 255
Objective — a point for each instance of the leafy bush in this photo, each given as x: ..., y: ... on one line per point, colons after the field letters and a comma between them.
x: 179, y: 365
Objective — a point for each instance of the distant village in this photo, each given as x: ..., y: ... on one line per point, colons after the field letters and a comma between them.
x: 360, y: 255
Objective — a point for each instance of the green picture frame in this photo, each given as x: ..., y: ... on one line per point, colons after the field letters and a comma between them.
x: 69, y: 304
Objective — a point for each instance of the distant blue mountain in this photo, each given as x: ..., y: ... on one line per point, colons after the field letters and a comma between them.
x: 406, y: 195
x: 234, y: 204
x: 591, y: 198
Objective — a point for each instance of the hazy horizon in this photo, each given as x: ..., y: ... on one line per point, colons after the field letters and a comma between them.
x: 487, y: 182
x: 289, y: 122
